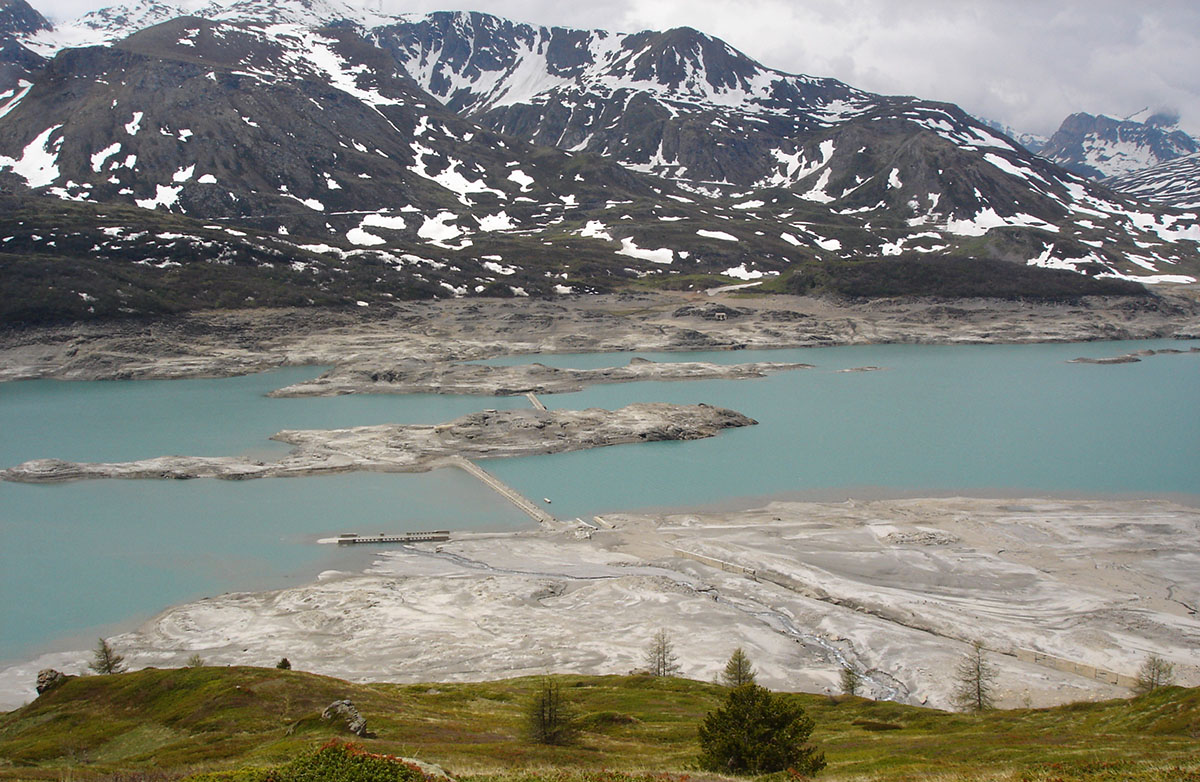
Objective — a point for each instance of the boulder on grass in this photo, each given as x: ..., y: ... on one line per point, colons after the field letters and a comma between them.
x: 355, y: 722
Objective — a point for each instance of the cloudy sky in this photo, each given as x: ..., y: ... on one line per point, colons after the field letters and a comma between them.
x: 1026, y: 63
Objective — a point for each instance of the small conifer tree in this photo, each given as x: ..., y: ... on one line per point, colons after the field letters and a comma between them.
x: 851, y: 680
x: 550, y: 718
x: 757, y: 732
x: 105, y: 660
x: 738, y: 670
x: 1154, y: 673
x: 284, y: 665
x: 976, y: 679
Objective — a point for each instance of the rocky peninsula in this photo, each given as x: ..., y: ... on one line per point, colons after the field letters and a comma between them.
x: 415, y: 376
x: 417, y: 448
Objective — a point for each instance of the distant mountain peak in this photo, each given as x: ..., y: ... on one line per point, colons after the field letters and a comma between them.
x: 1099, y: 146
x: 1031, y: 141
x: 1163, y: 119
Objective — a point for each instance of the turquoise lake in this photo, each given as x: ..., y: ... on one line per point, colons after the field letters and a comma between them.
x: 84, y: 558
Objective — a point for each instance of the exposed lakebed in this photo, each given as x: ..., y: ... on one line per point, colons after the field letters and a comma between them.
x: 934, y: 419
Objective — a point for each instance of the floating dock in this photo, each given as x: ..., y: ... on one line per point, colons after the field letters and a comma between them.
x: 352, y: 538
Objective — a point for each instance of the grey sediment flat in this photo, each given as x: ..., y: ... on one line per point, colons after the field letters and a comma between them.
x: 896, y: 588
x: 1134, y: 357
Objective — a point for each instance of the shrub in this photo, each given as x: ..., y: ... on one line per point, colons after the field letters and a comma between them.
x: 334, y: 762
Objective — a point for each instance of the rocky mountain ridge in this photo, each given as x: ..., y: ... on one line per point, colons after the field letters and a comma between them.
x: 1101, y: 147
x: 353, y: 157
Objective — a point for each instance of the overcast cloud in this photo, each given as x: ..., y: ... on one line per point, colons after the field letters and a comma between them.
x: 1026, y: 63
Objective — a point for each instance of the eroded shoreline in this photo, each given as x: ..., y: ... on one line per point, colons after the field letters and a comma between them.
x: 219, y: 344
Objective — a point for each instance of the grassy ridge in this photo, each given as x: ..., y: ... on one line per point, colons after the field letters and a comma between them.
x: 167, y: 723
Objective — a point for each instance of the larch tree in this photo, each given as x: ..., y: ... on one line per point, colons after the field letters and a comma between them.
x: 105, y: 660
x: 660, y: 655
x: 738, y: 670
x: 1155, y: 672
x: 550, y: 719
x: 851, y: 680
x: 976, y: 681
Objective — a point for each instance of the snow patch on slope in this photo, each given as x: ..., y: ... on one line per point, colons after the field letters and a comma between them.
x: 38, y: 164
x: 662, y: 255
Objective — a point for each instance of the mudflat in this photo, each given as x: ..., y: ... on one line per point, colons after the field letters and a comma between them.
x: 1069, y: 597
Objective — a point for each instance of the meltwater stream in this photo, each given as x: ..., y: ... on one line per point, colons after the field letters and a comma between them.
x: 78, y: 559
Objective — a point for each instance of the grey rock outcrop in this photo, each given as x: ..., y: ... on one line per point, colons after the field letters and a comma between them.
x: 48, y: 679
x: 355, y: 722
x: 430, y: 770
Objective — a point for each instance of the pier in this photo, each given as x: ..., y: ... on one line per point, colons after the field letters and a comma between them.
x: 351, y: 538
x: 533, y: 400
x: 522, y: 503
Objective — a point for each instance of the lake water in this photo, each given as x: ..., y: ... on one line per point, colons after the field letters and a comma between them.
x: 80, y: 558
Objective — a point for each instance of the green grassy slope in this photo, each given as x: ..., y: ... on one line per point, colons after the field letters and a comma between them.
x: 164, y: 724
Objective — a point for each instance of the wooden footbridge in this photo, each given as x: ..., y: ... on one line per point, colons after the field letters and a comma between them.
x: 521, y: 502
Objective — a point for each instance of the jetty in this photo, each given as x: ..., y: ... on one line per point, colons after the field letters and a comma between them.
x: 353, y: 538
x: 521, y: 502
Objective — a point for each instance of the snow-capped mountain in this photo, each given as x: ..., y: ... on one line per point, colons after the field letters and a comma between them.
x: 109, y: 25
x: 672, y: 103
x: 1099, y: 147
x: 1174, y: 183
x: 323, y: 152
